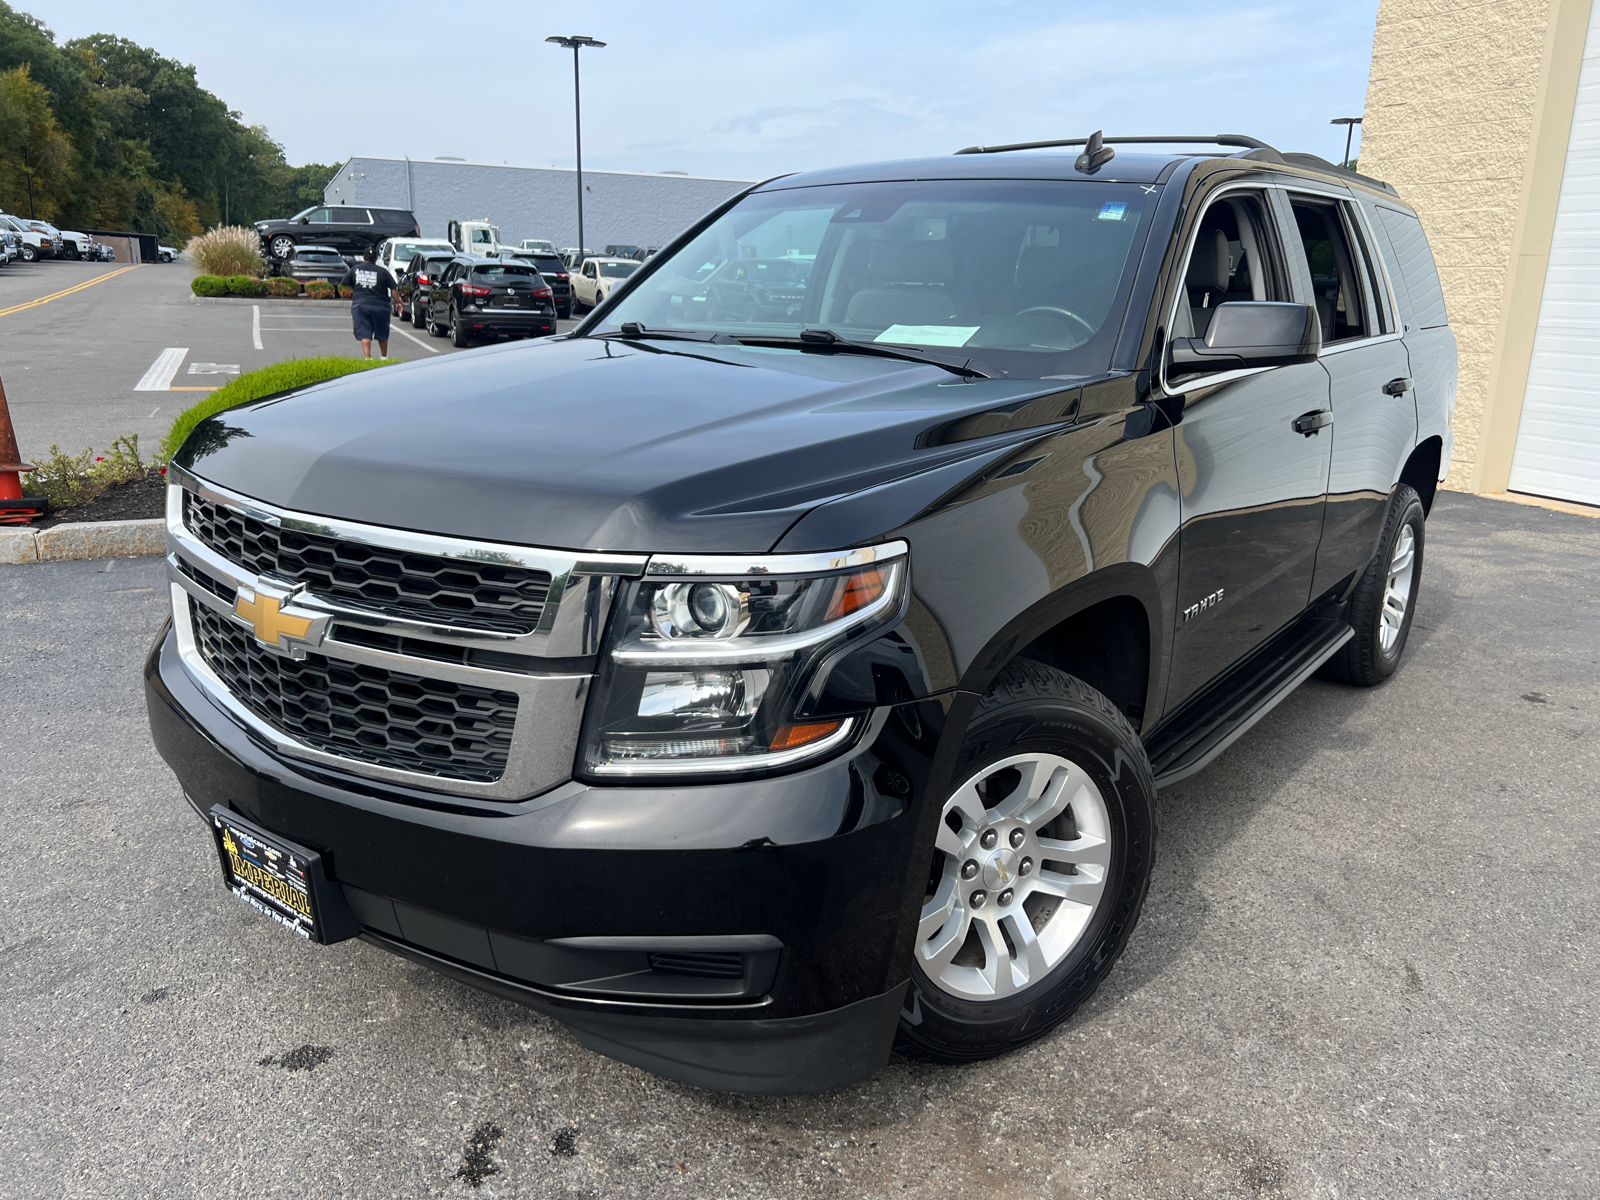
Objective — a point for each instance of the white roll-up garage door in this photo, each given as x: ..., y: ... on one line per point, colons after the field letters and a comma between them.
x: 1558, y: 441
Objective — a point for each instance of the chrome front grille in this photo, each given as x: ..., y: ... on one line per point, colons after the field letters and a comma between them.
x: 422, y: 660
x: 355, y: 710
x: 404, y: 583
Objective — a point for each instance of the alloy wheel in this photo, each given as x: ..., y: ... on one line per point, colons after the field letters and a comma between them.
x: 1022, y: 855
x: 282, y: 247
x: 1397, y: 591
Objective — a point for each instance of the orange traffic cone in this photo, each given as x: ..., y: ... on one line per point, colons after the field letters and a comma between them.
x: 15, y: 508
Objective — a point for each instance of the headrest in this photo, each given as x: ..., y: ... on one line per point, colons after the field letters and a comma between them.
x: 1208, y: 265
x: 910, y: 262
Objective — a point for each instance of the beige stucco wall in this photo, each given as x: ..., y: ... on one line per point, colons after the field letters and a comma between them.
x: 1468, y: 110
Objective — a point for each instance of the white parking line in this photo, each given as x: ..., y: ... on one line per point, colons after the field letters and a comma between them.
x: 153, y: 412
x: 255, y: 326
x: 419, y: 341
x: 159, y: 377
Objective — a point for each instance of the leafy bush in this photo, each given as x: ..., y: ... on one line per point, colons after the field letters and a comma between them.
x: 268, y: 381
x: 282, y: 285
x: 345, y: 293
x: 208, y: 285
x: 319, y: 289
x: 227, y: 250
x: 67, y: 479
x: 244, y: 285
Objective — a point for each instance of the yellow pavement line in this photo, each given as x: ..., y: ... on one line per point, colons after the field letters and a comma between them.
x: 5, y: 312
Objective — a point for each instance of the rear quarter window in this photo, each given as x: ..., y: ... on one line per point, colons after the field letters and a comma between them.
x: 1417, y: 270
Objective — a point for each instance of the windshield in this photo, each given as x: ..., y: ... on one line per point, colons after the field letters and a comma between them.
x: 617, y: 270
x: 1029, y: 275
x: 404, y: 252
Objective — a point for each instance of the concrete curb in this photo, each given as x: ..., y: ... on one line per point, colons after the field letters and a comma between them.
x: 270, y: 301
x: 84, y: 539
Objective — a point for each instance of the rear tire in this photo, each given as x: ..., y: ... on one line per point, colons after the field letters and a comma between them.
x: 418, y: 320
x: 1383, y: 603
x: 1027, y: 907
x: 459, y: 336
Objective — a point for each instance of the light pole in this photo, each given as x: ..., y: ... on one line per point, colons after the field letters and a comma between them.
x: 1349, y: 124
x: 576, y: 42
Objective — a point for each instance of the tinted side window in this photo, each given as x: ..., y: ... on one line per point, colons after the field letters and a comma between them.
x: 1415, y: 261
x: 1339, y: 289
x: 1233, y: 256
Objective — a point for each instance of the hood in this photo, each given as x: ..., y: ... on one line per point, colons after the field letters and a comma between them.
x: 603, y: 445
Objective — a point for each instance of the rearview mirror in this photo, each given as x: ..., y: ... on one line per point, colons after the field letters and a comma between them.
x: 1251, y: 333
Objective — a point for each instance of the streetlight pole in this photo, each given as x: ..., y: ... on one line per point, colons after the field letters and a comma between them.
x: 1349, y: 124
x: 576, y: 42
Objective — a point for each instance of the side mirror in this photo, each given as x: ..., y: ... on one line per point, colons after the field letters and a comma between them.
x: 305, y: 220
x: 1251, y: 333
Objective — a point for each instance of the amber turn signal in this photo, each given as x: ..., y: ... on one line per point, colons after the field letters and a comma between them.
x: 854, y: 592
x: 790, y: 736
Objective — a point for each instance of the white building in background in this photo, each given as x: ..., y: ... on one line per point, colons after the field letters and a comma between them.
x: 533, y: 202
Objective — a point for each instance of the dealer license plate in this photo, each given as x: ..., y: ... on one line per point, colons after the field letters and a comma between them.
x: 274, y: 876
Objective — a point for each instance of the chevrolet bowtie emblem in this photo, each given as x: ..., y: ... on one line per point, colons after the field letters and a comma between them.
x: 283, y: 630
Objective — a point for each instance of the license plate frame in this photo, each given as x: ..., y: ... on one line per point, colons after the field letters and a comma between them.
x: 281, y: 879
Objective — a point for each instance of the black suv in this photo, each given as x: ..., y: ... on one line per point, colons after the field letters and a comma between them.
x: 416, y: 283
x: 349, y: 229
x: 489, y: 298
x: 759, y: 692
x: 555, y: 274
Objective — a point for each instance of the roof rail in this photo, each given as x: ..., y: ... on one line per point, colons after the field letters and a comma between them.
x: 1221, y: 139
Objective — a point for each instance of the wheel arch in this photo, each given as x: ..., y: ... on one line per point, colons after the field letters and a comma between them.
x: 1105, y: 628
x: 1421, y: 471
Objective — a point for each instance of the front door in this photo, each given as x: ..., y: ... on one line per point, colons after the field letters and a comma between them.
x: 1252, y: 486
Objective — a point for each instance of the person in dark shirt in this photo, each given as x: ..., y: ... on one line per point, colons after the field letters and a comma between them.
x: 369, y: 302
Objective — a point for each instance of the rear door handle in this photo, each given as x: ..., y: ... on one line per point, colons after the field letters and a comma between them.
x: 1311, y: 423
x: 1397, y: 387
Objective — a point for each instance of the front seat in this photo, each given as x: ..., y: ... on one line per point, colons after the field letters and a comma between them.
x: 1207, y: 278
x: 908, y: 283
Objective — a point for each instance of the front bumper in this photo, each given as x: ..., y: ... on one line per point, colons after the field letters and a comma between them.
x: 570, y: 901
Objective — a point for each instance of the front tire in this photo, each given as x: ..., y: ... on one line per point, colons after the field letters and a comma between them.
x: 29, y: 253
x: 1385, y: 600
x: 1040, y: 868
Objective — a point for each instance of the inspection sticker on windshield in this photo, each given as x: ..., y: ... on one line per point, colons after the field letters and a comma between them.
x: 928, y: 335
x: 1112, y: 210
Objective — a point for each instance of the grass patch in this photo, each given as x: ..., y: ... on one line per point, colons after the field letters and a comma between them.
x: 268, y: 381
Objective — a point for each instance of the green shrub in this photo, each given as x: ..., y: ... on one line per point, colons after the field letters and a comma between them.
x: 226, y: 250
x: 208, y: 285
x: 268, y: 381
x: 345, y: 293
x: 282, y: 285
x: 244, y: 285
x: 67, y: 479
x: 319, y: 289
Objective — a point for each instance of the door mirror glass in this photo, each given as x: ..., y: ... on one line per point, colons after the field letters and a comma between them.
x: 1247, y: 333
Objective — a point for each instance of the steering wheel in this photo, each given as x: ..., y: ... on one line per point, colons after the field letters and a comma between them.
x: 1088, y: 329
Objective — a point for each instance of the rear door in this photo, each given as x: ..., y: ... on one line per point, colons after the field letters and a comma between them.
x: 1374, y: 415
x: 1252, y: 487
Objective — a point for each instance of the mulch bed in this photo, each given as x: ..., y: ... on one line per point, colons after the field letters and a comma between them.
x: 137, y: 500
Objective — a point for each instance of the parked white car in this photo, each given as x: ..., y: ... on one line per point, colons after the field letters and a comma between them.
x: 395, y: 253
x: 539, y: 244
x: 35, y: 245
x: 167, y: 253
x: 598, y: 277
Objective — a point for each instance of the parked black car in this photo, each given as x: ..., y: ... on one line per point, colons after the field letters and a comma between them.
x: 348, y: 229
x: 415, y: 284
x: 759, y: 289
x: 306, y: 263
x: 555, y: 274
x: 489, y: 298
x: 757, y: 695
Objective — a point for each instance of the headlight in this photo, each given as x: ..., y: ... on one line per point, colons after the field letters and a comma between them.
x: 711, y: 663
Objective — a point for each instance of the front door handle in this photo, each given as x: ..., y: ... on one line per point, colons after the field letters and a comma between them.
x: 1311, y: 423
x: 1397, y: 387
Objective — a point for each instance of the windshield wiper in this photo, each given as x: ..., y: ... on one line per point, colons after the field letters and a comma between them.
x: 634, y: 331
x: 826, y: 339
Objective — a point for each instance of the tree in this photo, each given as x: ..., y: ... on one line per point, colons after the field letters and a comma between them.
x: 36, y: 159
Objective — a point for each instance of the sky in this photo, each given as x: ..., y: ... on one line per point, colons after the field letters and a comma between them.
x: 752, y: 89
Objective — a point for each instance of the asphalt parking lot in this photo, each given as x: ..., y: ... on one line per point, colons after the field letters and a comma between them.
x: 1368, y: 966
x: 73, y: 365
